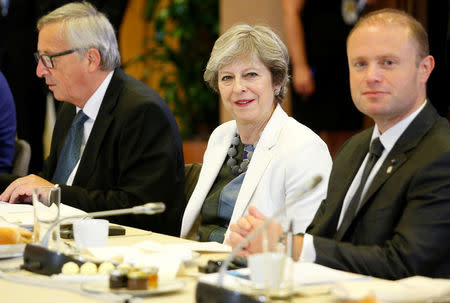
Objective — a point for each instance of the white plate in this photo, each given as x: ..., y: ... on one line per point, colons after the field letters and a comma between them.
x: 103, y: 287
x: 11, y: 250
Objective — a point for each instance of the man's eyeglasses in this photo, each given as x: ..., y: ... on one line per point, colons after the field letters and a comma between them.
x: 47, y: 60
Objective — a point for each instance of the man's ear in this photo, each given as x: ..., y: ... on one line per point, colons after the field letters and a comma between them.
x: 426, y: 66
x: 94, y: 59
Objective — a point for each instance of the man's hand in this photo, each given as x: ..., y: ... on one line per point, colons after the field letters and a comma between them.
x: 21, y: 189
x: 246, y: 225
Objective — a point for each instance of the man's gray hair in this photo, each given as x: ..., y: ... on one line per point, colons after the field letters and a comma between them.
x: 85, y: 27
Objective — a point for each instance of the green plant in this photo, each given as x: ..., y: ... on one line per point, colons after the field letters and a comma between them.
x: 185, y: 31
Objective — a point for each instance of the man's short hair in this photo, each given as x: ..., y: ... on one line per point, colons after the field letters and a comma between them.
x: 85, y: 27
x: 389, y: 16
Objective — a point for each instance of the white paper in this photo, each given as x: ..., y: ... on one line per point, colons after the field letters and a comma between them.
x: 206, y: 247
x: 22, y: 214
x: 306, y: 273
x: 413, y: 289
x: 191, y: 246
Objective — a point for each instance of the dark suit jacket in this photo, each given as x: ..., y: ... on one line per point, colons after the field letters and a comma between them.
x: 403, y: 225
x: 133, y: 155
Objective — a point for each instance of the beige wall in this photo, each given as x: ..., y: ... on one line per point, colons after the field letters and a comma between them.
x: 266, y: 12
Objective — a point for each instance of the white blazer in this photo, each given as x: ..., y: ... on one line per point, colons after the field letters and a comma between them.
x: 288, y: 155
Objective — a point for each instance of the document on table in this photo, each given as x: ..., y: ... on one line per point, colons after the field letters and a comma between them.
x: 22, y: 214
x: 304, y: 274
x: 412, y: 289
x: 191, y: 246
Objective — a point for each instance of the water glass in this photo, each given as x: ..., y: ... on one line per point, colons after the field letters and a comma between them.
x: 271, y: 270
x: 46, y: 205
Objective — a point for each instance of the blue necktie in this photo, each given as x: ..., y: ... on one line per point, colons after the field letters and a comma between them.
x: 70, y: 152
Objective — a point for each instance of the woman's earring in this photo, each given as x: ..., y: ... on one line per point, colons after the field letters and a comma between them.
x: 277, y: 92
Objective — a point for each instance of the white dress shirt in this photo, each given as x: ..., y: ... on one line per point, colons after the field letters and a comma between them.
x: 388, y: 139
x: 91, y: 109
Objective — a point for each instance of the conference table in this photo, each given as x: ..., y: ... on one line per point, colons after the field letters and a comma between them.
x: 37, y: 288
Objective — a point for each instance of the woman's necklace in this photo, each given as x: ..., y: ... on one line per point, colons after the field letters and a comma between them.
x: 232, y: 163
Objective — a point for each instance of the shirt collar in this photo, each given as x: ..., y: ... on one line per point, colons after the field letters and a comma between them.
x: 389, y: 137
x: 93, y: 104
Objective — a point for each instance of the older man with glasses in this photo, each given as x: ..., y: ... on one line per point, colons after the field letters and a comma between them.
x: 115, y: 143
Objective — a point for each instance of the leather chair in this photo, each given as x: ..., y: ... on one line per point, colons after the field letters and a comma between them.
x: 22, y: 155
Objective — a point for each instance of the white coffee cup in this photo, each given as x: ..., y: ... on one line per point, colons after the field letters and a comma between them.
x: 267, y: 269
x: 90, y: 232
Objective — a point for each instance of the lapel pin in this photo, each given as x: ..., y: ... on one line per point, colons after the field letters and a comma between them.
x: 391, y: 167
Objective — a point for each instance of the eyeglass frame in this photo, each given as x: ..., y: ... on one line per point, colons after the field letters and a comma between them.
x: 50, y: 57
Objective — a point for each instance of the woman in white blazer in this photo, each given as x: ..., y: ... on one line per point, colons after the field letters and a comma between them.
x: 263, y: 157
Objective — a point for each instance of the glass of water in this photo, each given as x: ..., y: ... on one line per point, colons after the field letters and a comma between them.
x: 46, y: 204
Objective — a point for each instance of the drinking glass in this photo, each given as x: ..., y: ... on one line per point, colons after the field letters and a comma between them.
x: 46, y: 205
x: 271, y: 270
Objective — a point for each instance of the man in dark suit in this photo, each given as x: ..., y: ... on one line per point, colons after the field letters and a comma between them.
x: 128, y: 150
x: 391, y: 220
x: 18, y: 31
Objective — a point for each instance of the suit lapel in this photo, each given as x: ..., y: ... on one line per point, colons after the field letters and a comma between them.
x: 101, y: 125
x: 213, y: 164
x: 353, y: 163
x: 68, y: 114
x: 64, y: 121
x: 208, y: 174
x: 253, y: 175
x: 344, y: 171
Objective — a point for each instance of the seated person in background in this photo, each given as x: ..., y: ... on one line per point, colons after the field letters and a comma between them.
x: 7, y: 126
x: 130, y: 151
x: 263, y: 157
x: 392, y: 221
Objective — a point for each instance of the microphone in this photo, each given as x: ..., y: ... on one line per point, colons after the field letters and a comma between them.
x: 39, y: 259
x: 146, y: 209
x: 205, y: 291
